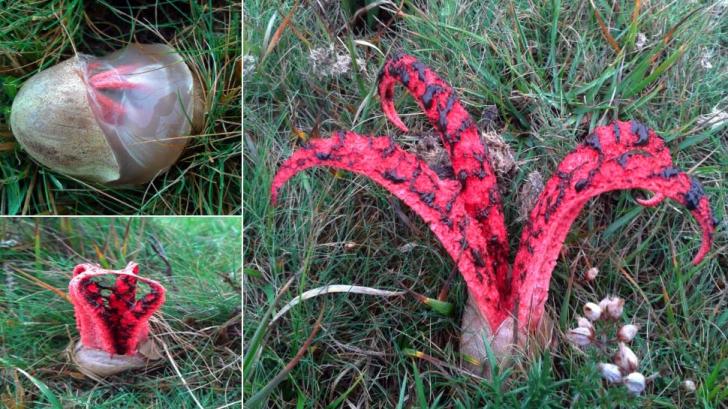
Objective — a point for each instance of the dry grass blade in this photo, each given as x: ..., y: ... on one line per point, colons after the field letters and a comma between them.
x: 605, y: 30
x: 41, y: 283
x: 44, y: 389
x: 442, y: 295
x: 443, y: 366
x: 179, y: 374
x: 636, y: 11
x: 258, y: 398
x: 334, y: 288
x: 279, y: 32
x: 671, y: 33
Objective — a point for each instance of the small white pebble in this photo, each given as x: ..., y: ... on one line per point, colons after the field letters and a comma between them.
x: 705, y: 60
x: 249, y: 62
x: 407, y: 247
x: 4, y: 244
x: 715, y: 119
x: 689, y: 385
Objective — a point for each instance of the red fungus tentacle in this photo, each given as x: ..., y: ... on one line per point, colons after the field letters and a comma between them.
x: 655, y: 200
x: 111, y: 111
x: 625, y: 139
x: 379, y: 158
x: 92, y: 334
x: 110, y: 80
x: 461, y: 139
x: 114, y: 322
x: 584, y: 174
x: 116, y: 78
x: 409, y: 178
x: 125, y: 286
x: 113, y: 84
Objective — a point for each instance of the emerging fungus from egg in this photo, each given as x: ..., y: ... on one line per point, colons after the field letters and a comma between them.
x: 112, y: 321
x: 120, y: 119
x: 465, y: 211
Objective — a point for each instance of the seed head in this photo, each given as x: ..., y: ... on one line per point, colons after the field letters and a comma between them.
x: 610, y: 372
x: 580, y: 336
x: 591, y: 274
x: 584, y: 323
x: 635, y: 383
x: 612, y: 307
x: 627, y: 332
x: 592, y: 311
x: 626, y: 359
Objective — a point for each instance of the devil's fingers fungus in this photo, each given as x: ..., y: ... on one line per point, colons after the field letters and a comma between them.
x: 465, y: 212
x: 112, y: 321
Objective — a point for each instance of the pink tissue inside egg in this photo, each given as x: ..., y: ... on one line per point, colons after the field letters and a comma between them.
x: 142, y: 99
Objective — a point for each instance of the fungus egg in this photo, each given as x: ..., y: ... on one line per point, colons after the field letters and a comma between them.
x: 120, y: 119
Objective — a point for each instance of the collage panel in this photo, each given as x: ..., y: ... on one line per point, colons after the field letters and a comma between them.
x: 485, y: 204
x: 119, y: 312
x: 116, y: 107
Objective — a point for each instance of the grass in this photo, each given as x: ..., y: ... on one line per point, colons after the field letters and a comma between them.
x: 551, y: 72
x: 206, y: 179
x: 199, y: 323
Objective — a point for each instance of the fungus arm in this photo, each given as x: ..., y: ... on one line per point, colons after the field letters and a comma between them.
x: 587, y: 172
x: 461, y: 139
x: 407, y: 177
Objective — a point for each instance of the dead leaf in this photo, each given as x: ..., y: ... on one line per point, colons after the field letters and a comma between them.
x: 500, y: 152
x: 528, y: 195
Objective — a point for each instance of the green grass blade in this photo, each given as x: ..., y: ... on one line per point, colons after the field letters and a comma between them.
x: 43, y: 388
x: 419, y: 386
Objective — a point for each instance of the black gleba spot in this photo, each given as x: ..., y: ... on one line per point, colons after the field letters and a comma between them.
x: 593, y: 141
x: 581, y: 185
x: 669, y: 172
x: 430, y: 91
x: 693, y: 196
x: 642, y: 134
x: 477, y: 258
x: 392, y: 176
x: 427, y: 197
x: 420, y: 70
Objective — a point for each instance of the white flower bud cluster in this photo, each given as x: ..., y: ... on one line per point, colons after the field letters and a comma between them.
x: 625, y: 364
